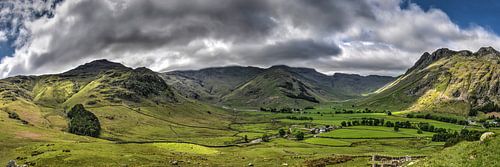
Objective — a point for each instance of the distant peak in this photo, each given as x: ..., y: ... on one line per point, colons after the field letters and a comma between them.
x: 102, y: 63
x: 442, y: 52
x: 486, y: 50
x: 101, y: 60
x: 428, y: 58
x: 143, y: 70
x: 293, y: 69
x: 279, y: 66
x: 339, y: 74
x: 96, y: 66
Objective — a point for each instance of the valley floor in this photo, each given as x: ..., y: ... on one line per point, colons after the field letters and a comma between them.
x: 185, y: 142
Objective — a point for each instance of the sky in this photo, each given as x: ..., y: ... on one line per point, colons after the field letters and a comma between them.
x: 383, y: 37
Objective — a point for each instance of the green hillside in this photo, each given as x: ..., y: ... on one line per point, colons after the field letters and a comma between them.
x: 211, y: 83
x: 131, y: 104
x: 445, y: 81
x: 277, y: 86
x: 466, y: 154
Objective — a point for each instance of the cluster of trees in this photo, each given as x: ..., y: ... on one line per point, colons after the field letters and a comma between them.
x: 83, y: 122
x: 377, y: 122
x: 299, y: 118
x: 299, y: 135
x: 364, y: 121
x: 421, y: 126
x: 452, y: 138
x: 372, y: 121
x: 282, y: 110
x: 345, y: 111
x: 430, y: 128
x: 439, y: 118
x: 494, y: 122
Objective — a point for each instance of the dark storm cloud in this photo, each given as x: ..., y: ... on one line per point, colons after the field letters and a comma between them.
x: 289, y: 51
x: 325, y: 16
x: 92, y: 28
x: 150, y: 24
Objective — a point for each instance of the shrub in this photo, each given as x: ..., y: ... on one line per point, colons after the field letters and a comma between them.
x: 91, y: 102
x: 13, y: 115
x: 309, y: 108
x: 265, y: 138
x: 83, y: 122
x: 282, y: 132
x: 299, y: 136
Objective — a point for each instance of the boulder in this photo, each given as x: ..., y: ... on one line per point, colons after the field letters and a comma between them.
x: 12, y: 163
x: 487, y: 135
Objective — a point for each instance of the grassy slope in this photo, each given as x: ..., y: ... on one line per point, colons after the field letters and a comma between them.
x: 210, y: 84
x: 268, y: 89
x: 433, y: 87
x: 255, y: 87
x: 466, y: 154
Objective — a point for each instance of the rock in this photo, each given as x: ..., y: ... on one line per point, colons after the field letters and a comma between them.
x: 250, y: 164
x: 12, y: 163
x: 487, y: 135
x: 174, y: 162
x: 285, y: 164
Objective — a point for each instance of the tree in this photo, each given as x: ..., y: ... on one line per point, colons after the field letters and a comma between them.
x: 389, y: 124
x: 419, y: 131
x: 83, y: 122
x: 282, y: 132
x: 299, y: 136
x: 265, y: 138
x: 396, y: 128
x: 246, y: 139
x: 389, y: 113
x: 343, y: 123
x: 473, y: 112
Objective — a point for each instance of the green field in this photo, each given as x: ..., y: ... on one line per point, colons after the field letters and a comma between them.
x: 328, y: 142
x: 367, y: 132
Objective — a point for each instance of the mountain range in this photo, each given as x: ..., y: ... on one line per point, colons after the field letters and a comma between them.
x: 442, y: 81
x: 122, y: 97
x: 138, y: 105
x: 272, y: 87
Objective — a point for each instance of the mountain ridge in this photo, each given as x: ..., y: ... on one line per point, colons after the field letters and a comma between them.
x: 462, y: 81
x: 212, y: 85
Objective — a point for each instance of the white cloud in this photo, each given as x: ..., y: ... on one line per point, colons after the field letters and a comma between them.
x: 367, y: 37
x: 3, y: 36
